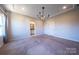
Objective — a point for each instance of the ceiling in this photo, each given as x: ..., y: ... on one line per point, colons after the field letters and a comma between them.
x: 32, y: 10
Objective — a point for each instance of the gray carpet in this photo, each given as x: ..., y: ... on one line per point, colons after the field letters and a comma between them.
x: 41, y: 45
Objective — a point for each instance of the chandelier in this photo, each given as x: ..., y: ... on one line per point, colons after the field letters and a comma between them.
x: 42, y: 14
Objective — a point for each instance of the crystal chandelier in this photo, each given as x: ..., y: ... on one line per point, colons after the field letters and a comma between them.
x: 42, y: 14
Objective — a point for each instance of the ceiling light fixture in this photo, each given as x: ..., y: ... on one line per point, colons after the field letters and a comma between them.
x: 42, y: 14
x: 22, y: 8
x: 64, y: 7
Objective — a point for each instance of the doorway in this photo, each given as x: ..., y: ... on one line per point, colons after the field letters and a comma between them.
x: 32, y: 28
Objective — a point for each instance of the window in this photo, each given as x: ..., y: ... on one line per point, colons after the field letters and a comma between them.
x: 2, y: 24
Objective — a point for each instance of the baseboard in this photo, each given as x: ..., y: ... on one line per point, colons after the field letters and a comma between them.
x: 64, y: 38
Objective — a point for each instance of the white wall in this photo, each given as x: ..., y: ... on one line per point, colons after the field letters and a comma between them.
x: 65, y: 25
x: 48, y: 28
x: 39, y: 27
x: 19, y: 26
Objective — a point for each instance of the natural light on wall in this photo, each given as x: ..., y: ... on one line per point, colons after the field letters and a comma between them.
x: 2, y: 24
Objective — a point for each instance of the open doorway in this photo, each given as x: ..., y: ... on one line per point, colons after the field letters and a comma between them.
x: 32, y: 28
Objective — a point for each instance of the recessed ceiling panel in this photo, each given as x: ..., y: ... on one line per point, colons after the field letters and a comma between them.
x: 33, y: 9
